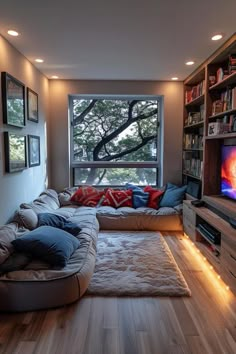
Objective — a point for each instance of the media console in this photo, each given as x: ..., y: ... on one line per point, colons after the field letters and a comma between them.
x: 213, y: 234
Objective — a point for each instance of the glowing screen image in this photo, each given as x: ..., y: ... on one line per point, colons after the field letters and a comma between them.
x: 228, y: 171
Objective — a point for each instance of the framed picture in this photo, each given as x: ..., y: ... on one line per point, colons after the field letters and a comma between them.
x: 15, y: 152
x: 13, y: 101
x: 32, y: 105
x: 34, y: 150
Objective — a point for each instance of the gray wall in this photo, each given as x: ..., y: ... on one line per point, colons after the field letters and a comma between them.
x: 24, y: 186
x: 59, y: 133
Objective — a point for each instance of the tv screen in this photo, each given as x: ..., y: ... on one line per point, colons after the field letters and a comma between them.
x: 228, y: 171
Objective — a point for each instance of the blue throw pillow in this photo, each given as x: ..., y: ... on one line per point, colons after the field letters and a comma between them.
x: 58, y: 221
x: 140, y: 198
x: 173, y: 195
x: 48, y: 243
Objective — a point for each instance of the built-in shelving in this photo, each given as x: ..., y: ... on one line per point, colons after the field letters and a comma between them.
x: 221, y: 136
x: 190, y: 175
x: 197, y: 101
x: 216, y: 97
x: 229, y: 80
x: 195, y: 125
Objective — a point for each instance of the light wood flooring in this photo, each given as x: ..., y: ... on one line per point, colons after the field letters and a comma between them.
x: 204, y: 323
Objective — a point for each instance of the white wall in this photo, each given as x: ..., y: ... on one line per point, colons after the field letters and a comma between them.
x: 16, y: 188
x: 59, y: 127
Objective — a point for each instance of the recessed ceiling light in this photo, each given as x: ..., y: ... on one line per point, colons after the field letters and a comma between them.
x: 38, y: 60
x: 217, y: 37
x: 174, y: 78
x: 54, y: 77
x: 13, y: 33
x: 190, y: 62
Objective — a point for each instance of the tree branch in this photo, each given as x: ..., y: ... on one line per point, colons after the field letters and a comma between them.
x: 102, y: 175
x: 131, y: 106
x: 126, y: 152
x: 79, y: 119
x: 119, y: 130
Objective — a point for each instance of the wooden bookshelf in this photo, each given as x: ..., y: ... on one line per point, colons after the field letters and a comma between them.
x: 211, y: 150
x: 195, y: 102
x: 222, y: 114
x: 221, y: 136
x: 218, y: 209
x: 229, y: 80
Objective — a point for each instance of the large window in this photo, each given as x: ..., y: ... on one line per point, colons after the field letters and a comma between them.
x: 115, y: 140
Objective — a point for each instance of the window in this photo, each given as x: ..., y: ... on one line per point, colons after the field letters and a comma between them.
x: 115, y: 140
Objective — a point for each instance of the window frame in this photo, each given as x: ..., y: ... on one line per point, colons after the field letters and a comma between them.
x: 139, y: 164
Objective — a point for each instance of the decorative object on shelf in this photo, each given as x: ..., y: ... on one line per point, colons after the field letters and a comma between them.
x: 233, y: 127
x: 15, y: 152
x: 216, y: 128
x: 34, y: 150
x: 32, y: 105
x: 13, y: 101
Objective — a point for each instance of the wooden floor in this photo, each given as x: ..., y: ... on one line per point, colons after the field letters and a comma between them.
x: 204, y: 323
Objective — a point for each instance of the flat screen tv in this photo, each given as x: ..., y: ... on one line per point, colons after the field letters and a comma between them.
x: 228, y: 171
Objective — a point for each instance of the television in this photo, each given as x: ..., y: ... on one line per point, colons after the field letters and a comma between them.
x: 228, y: 171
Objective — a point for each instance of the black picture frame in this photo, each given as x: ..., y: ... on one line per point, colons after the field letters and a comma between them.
x: 15, y: 152
x: 34, y: 150
x: 13, y: 101
x: 32, y: 106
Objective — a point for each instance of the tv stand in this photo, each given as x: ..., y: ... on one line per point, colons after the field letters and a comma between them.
x: 221, y: 253
x: 221, y: 204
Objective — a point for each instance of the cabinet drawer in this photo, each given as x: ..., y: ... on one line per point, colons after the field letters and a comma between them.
x: 228, y: 265
x: 228, y: 259
x: 229, y: 243
x: 189, y: 229
x: 189, y: 214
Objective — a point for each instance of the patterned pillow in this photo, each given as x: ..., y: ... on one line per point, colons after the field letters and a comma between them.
x: 154, y: 196
x: 118, y: 198
x: 87, y: 196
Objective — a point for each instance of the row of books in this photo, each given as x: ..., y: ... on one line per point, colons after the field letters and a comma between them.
x: 225, y: 70
x: 195, y: 117
x: 226, y: 102
x: 195, y: 92
x: 193, y: 167
x: 193, y: 141
x: 232, y: 63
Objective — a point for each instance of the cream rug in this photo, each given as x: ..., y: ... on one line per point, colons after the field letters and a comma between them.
x: 132, y: 263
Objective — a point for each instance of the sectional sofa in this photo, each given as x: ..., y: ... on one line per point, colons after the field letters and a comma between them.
x: 39, y: 286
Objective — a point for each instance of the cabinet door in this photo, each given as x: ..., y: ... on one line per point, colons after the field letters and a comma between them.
x: 228, y: 260
x: 189, y: 221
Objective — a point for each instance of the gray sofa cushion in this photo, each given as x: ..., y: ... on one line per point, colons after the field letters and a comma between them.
x: 7, y: 234
x: 26, y: 218
x: 47, y: 201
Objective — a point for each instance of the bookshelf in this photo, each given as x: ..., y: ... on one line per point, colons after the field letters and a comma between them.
x: 193, y: 131
x: 209, y: 117
x: 203, y: 138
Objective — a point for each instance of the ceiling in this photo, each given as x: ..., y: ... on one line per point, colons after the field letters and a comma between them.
x: 117, y: 40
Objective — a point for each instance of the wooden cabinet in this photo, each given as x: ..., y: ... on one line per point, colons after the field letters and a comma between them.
x: 189, y: 221
x: 221, y: 255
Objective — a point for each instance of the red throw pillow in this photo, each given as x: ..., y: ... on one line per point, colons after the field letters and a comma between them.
x: 154, y: 196
x: 87, y: 196
x: 118, y: 198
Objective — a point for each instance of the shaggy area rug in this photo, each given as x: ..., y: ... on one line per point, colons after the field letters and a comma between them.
x: 131, y: 263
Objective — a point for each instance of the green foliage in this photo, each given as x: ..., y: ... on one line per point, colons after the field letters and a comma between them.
x: 17, y: 148
x: 111, y: 118
x: 115, y: 130
x: 15, y: 111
